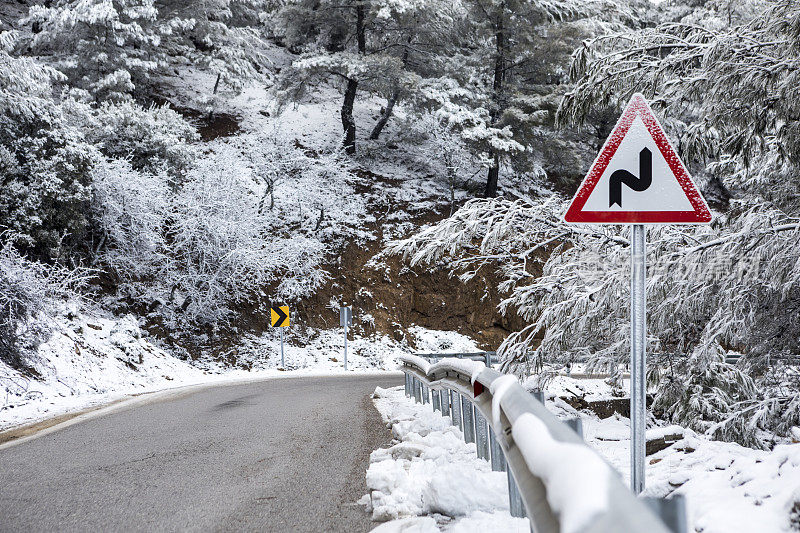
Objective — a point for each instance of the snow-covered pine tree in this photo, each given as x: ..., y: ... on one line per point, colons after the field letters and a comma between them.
x: 421, y: 34
x: 105, y: 47
x: 45, y: 163
x: 500, y: 79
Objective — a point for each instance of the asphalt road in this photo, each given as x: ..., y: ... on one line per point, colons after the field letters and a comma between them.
x: 278, y: 455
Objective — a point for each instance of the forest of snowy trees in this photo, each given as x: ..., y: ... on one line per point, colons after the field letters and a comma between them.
x: 109, y: 194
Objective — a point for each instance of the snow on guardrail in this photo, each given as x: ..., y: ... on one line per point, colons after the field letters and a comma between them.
x: 418, y: 362
x: 467, y: 367
x: 575, y: 476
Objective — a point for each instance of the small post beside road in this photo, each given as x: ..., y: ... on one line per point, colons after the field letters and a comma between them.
x: 469, y: 420
x: 498, y: 457
x: 345, y: 319
x: 672, y: 511
x: 283, y: 363
x: 444, y: 401
x: 455, y: 408
x: 516, y: 506
x: 481, y: 435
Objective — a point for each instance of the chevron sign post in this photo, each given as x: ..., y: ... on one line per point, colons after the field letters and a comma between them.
x: 279, y: 318
x: 638, y: 179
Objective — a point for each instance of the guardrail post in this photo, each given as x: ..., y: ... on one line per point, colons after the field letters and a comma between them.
x: 444, y: 401
x: 417, y: 390
x: 481, y: 435
x: 576, y: 424
x: 539, y: 395
x: 435, y: 400
x: 455, y: 399
x: 498, y: 457
x: 425, y: 394
x: 515, y: 505
x: 469, y: 420
x: 672, y: 511
x: 407, y: 384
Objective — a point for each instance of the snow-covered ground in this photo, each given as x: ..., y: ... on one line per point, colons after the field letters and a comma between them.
x: 430, y: 480
x: 92, y: 360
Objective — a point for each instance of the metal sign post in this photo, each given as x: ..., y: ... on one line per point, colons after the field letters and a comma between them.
x: 282, y: 363
x: 638, y: 343
x: 638, y: 179
x: 345, y: 318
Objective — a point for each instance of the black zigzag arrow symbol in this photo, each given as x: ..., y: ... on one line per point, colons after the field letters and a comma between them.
x: 639, y: 184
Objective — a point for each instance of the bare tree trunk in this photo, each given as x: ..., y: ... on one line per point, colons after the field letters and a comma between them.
x: 499, y: 69
x: 216, y: 88
x: 491, y: 178
x: 348, y: 123
x: 387, y: 112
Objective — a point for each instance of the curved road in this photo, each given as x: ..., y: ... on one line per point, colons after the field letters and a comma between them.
x: 276, y: 455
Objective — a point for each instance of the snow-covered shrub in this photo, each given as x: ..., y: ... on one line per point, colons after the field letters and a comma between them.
x: 253, y: 219
x: 155, y: 139
x: 230, y: 244
x: 131, y: 210
x: 224, y: 247
x: 28, y: 290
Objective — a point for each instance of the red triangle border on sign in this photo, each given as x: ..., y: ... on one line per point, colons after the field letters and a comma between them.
x: 638, y: 107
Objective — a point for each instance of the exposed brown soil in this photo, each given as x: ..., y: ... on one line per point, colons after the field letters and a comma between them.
x: 210, y: 126
x: 398, y: 297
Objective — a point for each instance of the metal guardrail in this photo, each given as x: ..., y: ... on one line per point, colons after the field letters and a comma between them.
x: 488, y: 358
x: 554, y: 478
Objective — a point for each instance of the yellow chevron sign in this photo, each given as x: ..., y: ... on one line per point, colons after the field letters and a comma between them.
x: 279, y: 316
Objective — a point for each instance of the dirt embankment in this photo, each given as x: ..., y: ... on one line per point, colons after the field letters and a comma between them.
x: 388, y: 297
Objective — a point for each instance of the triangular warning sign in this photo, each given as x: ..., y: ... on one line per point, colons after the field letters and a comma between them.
x: 638, y: 177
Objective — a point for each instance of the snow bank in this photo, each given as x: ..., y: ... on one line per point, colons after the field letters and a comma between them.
x: 430, y: 470
x: 321, y: 350
x: 728, y: 488
x: 87, y: 361
x: 435, y: 341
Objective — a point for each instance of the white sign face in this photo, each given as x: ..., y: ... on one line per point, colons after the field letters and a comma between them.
x: 664, y: 192
x: 638, y: 177
x: 345, y: 316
